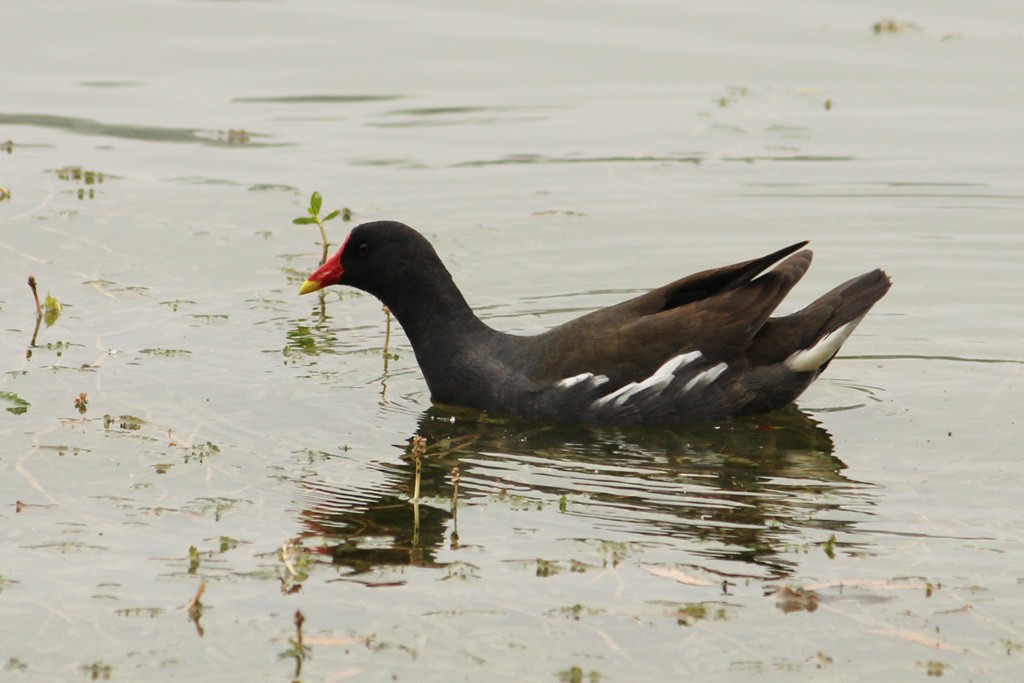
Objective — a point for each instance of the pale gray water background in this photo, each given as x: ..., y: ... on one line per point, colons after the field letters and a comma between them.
x: 561, y: 156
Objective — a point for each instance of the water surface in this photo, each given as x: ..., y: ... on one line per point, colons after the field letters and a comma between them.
x: 561, y: 158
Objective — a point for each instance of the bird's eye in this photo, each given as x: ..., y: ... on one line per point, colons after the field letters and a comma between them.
x: 364, y: 249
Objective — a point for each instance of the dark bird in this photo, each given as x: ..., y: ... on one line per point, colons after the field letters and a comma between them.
x: 704, y: 347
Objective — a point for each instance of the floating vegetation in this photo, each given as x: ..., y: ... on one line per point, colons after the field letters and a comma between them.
x: 77, y: 174
x: 830, y: 547
x: 19, y: 406
x: 15, y: 664
x: 150, y: 612
x: 546, y: 568
x: 516, y: 501
x: 934, y: 669
x: 296, y: 562
x: 125, y: 422
x: 576, y: 611
x: 303, y: 340
x: 560, y: 212
x: 692, y: 612
x: 98, y: 671
x: 210, y: 317
x: 309, y: 456
x: 68, y: 547
x: 733, y: 94
x: 201, y: 452
x: 63, y: 449
x: 82, y: 403
x: 176, y: 304
x: 166, y: 353
x: 218, y: 506
x: 110, y: 286
x: 59, y: 347
x: 613, y: 552
x: 795, y: 599
x: 576, y: 675
x: 226, y: 543
x: 893, y: 26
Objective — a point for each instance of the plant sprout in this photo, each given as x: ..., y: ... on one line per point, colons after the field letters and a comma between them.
x: 315, y: 203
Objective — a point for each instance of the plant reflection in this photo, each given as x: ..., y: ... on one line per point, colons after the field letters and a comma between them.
x: 743, y: 491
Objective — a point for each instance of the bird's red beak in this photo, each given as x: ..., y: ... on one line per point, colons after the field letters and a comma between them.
x: 328, y: 274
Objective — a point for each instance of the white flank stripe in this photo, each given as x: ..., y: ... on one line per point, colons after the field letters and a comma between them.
x: 573, y: 381
x: 808, y: 360
x: 569, y: 382
x: 661, y: 378
x: 706, y: 377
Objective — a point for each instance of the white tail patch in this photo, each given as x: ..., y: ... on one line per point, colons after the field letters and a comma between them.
x: 660, y: 379
x: 808, y: 360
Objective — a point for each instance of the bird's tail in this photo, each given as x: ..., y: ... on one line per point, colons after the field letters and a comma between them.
x: 827, y: 322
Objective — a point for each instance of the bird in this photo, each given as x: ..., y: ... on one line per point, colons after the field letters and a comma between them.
x: 702, y: 348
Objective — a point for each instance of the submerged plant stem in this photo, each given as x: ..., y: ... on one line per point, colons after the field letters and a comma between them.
x: 39, y: 314
x: 323, y: 236
x: 387, y: 331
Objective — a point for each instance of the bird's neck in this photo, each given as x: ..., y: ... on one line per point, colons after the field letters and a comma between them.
x: 446, y: 335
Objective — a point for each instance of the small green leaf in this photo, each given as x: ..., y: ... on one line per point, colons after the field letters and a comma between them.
x: 51, y: 310
x: 332, y: 214
x: 19, y: 406
x: 315, y: 203
x: 830, y: 547
x: 304, y: 220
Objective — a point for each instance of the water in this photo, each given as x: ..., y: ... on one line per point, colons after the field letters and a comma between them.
x: 561, y: 158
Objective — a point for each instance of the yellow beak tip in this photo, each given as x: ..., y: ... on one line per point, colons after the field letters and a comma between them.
x: 310, y: 286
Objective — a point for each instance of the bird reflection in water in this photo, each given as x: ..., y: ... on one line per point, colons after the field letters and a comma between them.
x: 736, y: 495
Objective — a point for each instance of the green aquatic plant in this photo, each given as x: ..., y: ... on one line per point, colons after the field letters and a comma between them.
x: 151, y: 612
x: 15, y: 664
x: 98, y: 671
x: 298, y: 650
x: 200, y: 452
x: 19, y: 406
x: 128, y: 423
x: 830, y: 547
x: 79, y: 175
x: 297, y: 563
x: 547, y: 568
x: 315, y: 204
x: 577, y: 675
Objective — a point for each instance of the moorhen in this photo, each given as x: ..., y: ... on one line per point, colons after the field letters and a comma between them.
x: 700, y: 348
